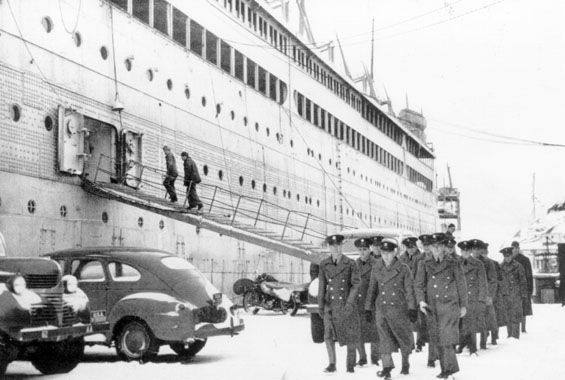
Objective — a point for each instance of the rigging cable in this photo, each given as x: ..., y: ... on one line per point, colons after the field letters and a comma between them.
x: 63, y: 19
x: 33, y: 60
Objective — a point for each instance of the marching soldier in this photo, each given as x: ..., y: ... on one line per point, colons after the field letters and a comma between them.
x: 412, y: 257
x: 425, y: 337
x: 369, y: 334
x: 476, y: 278
x: 337, y: 302
x: 376, y: 246
x: 499, y: 303
x: 525, y: 262
x: 441, y: 292
x: 479, y: 252
x: 515, y: 276
x: 450, y: 248
x: 391, y: 295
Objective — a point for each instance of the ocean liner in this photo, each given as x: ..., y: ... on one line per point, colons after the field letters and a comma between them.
x: 91, y: 90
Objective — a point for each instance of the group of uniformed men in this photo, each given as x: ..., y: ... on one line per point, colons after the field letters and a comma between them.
x: 383, y: 297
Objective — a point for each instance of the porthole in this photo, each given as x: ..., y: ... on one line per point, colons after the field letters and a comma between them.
x: 77, y: 39
x: 31, y: 206
x: 205, y: 170
x: 240, y: 180
x: 305, y: 199
x: 274, y: 190
x: 353, y: 172
x: 245, y: 121
x: 203, y: 101
x: 308, y: 151
x: 104, y: 52
x: 15, y: 112
x: 48, y: 123
x: 284, y: 193
x: 361, y: 177
x: 220, y: 175
x: 47, y: 24
x: 161, y: 224
x: 253, y: 184
x: 264, y: 187
x: 187, y: 92
x: 128, y: 63
x: 140, y: 221
x: 105, y: 217
x: 268, y: 132
x: 291, y: 143
x: 232, y: 114
x: 169, y: 84
x: 309, y: 201
x: 318, y: 203
x: 218, y: 109
x: 320, y: 156
x: 63, y: 210
x: 348, y: 170
x: 149, y: 74
x: 257, y: 127
x: 289, y: 194
x: 298, y: 197
x: 330, y: 161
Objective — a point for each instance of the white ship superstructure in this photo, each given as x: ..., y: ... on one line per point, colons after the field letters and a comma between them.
x: 94, y: 83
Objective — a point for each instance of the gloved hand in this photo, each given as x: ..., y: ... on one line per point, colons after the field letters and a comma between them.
x: 413, y: 315
x: 369, y: 316
x: 463, y: 311
x: 424, y: 308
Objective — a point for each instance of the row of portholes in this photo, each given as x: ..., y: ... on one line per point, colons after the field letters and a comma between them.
x: 16, y: 115
x: 48, y: 25
x: 32, y: 207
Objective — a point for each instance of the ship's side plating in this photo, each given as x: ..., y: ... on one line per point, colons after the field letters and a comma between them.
x: 256, y: 141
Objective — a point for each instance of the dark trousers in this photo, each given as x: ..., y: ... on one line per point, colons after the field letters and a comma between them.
x: 447, y: 360
x: 374, y: 352
x: 191, y: 196
x: 389, y: 363
x: 513, y: 330
x: 169, y: 184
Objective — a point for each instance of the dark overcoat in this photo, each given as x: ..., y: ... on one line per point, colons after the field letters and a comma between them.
x: 514, y: 274
x: 499, y: 302
x: 476, y: 278
x: 412, y: 261
x: 391, y: 295
x: 337, y: 299
x: 442, y: 286
x: 492, y: 281
x: 368, y: 329
x: 527, y: 302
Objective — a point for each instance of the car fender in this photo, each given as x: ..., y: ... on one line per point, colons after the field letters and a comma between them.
x: 169, y: 318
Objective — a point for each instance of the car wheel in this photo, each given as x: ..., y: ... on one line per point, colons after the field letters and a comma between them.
x: 61, y: 357
x: 295, y: 307
x: 251, y: 299
x: 135, y: 341
x: 190, y: 351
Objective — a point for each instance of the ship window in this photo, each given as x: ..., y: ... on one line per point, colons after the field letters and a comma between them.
x: 48, y: 122
x: 273, y: 87
x: 251, y: 75
x: 262, y: 80
x: 316, y: 110
x: 308, y: 111
x: 161, y: 224
x: 275, y: 190
x: 283, y: 93
x: 104, y: 52
x: 347, y: 134
x: 299, y: 103
x: 15, y: 112
x: 253, y: 184
x: 128, y: 64
x: 205, y: 170
x: 211, y: 47
x: 232, y: 114
x: 121, y: 3
x: 220, y: 175
x: 179, y: 27
x: 140, y: 221
x: 257, y: 127
x: 160, y: 14
x: 196, y: 31
x: 239, y: 65
x: 77, y: 39
x: 225, y: 57
x: 245, y: 121
x: 203, y: 101
x: 268, y: 132
x: 150, y: 74
x: 104, y: 217
x: 31, y: 206
x: 63, y: 211
x: 264, y: 187
x: 140, y: 10
x: 169, y: 84
x: 323, y: 119
x: 187, y: 92
x: 47, y: 24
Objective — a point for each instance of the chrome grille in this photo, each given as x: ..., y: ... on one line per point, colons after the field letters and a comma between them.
x: 52, y: 312
x: 41, y: 281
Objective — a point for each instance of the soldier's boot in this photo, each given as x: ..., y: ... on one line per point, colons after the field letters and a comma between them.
x: 385, y: 373
x: 405, y: 364
x: 431, y: 363
x: 462, y: 344
x: 493, y: 338
x: 330, y: 368
x: 350, y: 359
x: 483, y: 344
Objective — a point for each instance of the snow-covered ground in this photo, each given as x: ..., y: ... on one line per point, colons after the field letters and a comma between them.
x: 279, y: 347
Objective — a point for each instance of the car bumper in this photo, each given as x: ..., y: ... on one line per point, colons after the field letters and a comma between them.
x: 209, y: 330
x: 311, y: 308
x: 55, y: 334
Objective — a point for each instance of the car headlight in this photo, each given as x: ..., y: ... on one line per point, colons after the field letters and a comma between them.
x: 18, y: 285
x: 70, y: 283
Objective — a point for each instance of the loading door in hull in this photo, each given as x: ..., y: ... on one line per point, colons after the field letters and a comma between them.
x: 100, y: 145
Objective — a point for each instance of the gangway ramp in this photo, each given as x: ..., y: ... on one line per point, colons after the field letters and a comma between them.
x: 286, y: 231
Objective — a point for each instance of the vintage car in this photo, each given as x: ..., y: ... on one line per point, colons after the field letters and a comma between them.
x: 150, y: 298
x: 43, y: 316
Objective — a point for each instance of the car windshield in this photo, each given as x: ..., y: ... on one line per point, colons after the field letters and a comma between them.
x: 178, y: 263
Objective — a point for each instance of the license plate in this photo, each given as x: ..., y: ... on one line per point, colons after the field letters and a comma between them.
x: 217, y: 298
x: 98, y: 316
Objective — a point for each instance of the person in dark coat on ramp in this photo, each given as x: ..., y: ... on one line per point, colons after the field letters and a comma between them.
x: 391, y: 296
x: 526, y: 263
x: 369, y: 333
x: 441, y: 292
x: 517, y: 291
x: 337, y: 302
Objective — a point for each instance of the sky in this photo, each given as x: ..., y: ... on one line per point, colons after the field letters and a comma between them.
x: 476, y: 68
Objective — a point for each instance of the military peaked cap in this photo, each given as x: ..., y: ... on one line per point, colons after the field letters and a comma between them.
x: 410, y: 242
x: 363, y: 243
x: 388, y: 246
x: 335, y: 239
x: 506, y: 251
x: 438, y: 237
x: 450, y: 242
x: 476, y: 243
x: 515, y: 244
x: 425, y: 239
x: 376, y: 240
x: 464, y: 245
